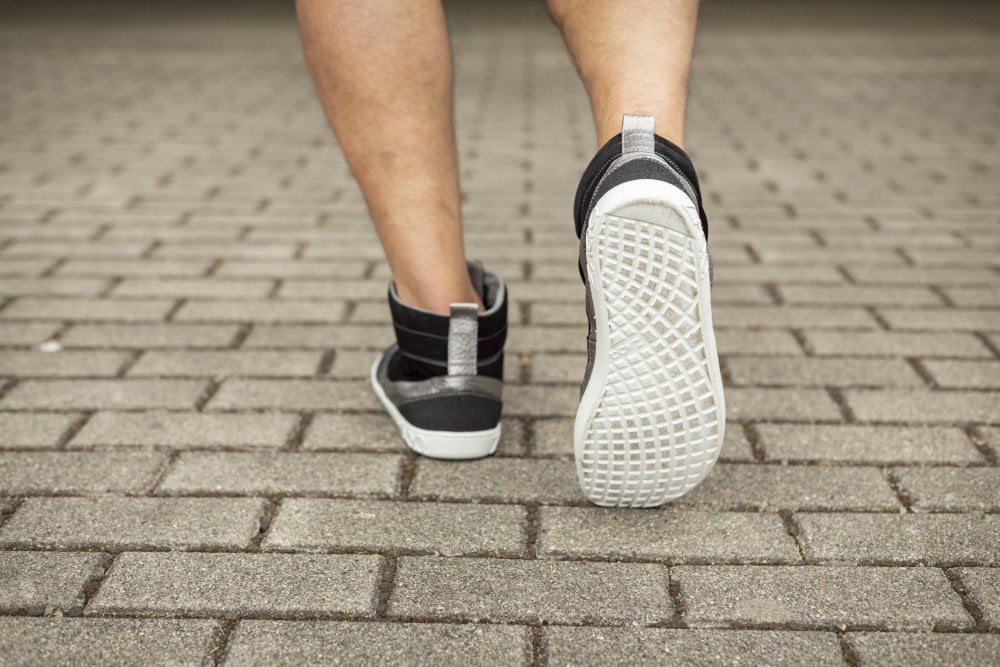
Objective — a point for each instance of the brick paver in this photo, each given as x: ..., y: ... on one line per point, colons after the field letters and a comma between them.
x: 191, y: 296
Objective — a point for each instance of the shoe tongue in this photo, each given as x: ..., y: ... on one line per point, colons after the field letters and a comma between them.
x: 478, y: 277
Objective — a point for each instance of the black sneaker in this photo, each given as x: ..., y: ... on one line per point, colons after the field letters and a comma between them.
x: 651, y: 416
x: 442, y: 382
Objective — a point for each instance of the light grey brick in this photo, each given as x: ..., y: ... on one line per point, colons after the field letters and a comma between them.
x: 319, y: 336
x: 103, y: 394
x: 903, y: 275
x: 52, y: 286
x: 260, y: 473
x: 500, y: 479
x: 983, y: 586
x: 894, y: 598
x: 853, y: 295
x: 866, y: 444
x: 914, y: 539
x: 21, y: 363
x: 101, y: 641
x: 36, y: 580
x: 782, y: 317
x: 337, y: 432
x: 553, y: 437
x: 78, y: 472
x: 358, y: 289
x: 896, y: 343
x: 122, y: 310
x: 295, y: 395
x: 741, y: 486
x: 285, y: 310
x: 921, y: 649
x: 213, y: 584
x: 150, y: 335
x: 81, y: 266
x: 239, y: 250
x: 530, y: 400
x: 194, y: 288
x: 943, y: 319
x: 33, y: 429
x: 292, y: 269
x: 311, y: 642
x: 952, y: 489
x: 223, y: 363
x: 547, y: 339
x: 974, y: 296
x: 183, y: 430
x: 677, y: 535
x: 599, y: 647
x: 26, y: 333
x: 133, y: 523
x: 310, y: 524
x: 558, y: 368
x: 77, y: 248
x: 546, y: 591
x: 732, y: 341
x: 771, y: 403
x: 923, y: 407
x: 840, y: 372
x: 977, y: 374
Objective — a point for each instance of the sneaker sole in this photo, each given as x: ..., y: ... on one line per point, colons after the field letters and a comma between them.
x: 453, y: 445
x: 652, y: 417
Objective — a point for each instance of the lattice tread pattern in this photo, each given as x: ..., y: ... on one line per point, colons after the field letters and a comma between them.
x: 656, y: 430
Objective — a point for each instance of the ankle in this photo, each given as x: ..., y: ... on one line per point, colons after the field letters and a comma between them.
x: 438, y: 298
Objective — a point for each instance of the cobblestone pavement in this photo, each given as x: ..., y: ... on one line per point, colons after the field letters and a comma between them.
x: 193, y: 467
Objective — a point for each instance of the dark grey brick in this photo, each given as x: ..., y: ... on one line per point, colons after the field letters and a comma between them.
x: 181, y: 430
x: 133, y: 523
x: 866, y: 444
x: 599, y: 647
x: 311, y: 524
x: 103, y: 641
x: 273, y: 473
x: 921, y: 649
x: 312, y: 642
x: 893, y: 598
x: 36, y: 580
x: 677, y: 535
x: 546, y: 591
x: 501, y: 479
x: 915, y: 539
x: 207, y: 584
x: 78, y: 472
x: 952, y: 489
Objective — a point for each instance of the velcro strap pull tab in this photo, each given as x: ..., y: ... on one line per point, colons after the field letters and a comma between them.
x: 463, y: 339
x: 637, y: 134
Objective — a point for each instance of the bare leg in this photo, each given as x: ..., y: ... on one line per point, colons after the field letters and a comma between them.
x: 634, y: 57
x: 382, y: 69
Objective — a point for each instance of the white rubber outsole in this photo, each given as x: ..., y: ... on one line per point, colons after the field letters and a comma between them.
x: 652, y: 418
x: 453, y: 445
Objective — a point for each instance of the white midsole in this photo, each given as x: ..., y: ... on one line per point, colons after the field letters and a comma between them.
x: 437, y: 444
x: 672, y: 454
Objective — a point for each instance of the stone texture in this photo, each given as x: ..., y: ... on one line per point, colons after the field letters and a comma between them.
x: 866, y: 444
x: 965, y: 374
x: 229, y: 362
x: 102, y: 641
x: 207, y: 584
x: 813, y: 371
x: 37, y: 580
x: 103, y: 394
x: 893, y: 598
x: 294, y: 395
x: 951, y: 489
x: 154, y: 335
x: 923, y: 407
x: 308, y: 524
x: 498, y: 479
x: 920, y: 649
x: 33, y: 429
x: 983, y: 585
x: 60, y: 364
x: 896, y: 344
x: 546, y: 591
x: 782, y: 404
x: 311, y: 642
x: 133, y: 523
x: 78, y: 472
x: 183, y: 430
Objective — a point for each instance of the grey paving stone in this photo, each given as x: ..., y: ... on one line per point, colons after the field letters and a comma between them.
x: 162, y: 334
x: 102, y: 641
x: 229, y: 362
x: 133, y: 523
x: 498, y: 479
x: 924, y: 407
x: 352, y: 431
x: 599, y: 647
x: 921, y: 649
x: 840, y: 372
x: 866, y: 444
x: 782, y: 317
x: 676, y: 535
x: 81, y: 266
x: 819, y: 597
x: 965, y: 374
x: 78, y: 472
x: 318, y: 336
x: 536, y: 401
x: 731, y: 341
x: 36, y: 580
x: 21, y: 363
x: 285, y: 310
x: 944, y: 319
x: 312, y: 642
x: 103, y: 394
x: 912, y: 539
x: 553, y: 437
x: 853, y: 295
x: 285, y: 472
x: 917, y: 275
x: 983, y: 585
x: 291, y: 269
x: 451, y: 529
x: 896, y: 343
x: 768, y: 403
x: 122, y: 310
x: 558, y: 368
x: 295, y: 395
x: 740, y: 486
x: 33, y: 429
x: 547, y: 339
x: 183, y: 430
x: 213, y: 584
x: 735, y: 446
x: 951, y: 489
x: 26, y: 333
x: 547, y: 591
x: 973, y: 296
x: 52, y: 287
x: 194, y: 288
